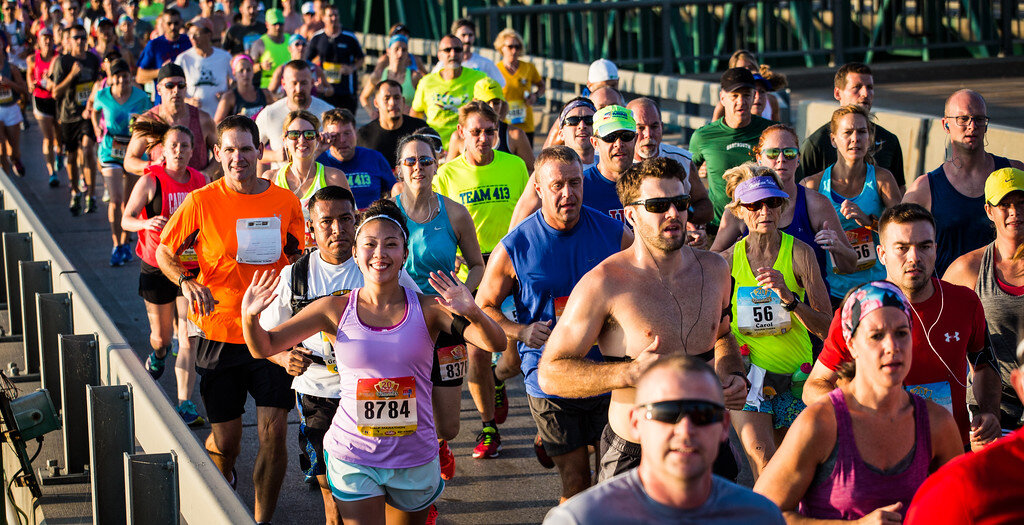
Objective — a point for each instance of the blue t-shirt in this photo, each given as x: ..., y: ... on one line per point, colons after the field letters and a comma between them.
x: 548, y: 263
x: 160, y: 51
x: 599, y: 193
x: 116, y: 121
x: 369, y: 174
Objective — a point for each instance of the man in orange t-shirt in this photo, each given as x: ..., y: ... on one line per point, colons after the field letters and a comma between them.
x: 237, y: 225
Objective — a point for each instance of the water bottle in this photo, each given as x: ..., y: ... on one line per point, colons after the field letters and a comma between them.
x: 799, y: 378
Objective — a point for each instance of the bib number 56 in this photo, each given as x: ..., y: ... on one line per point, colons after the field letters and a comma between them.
x: 763, y: 314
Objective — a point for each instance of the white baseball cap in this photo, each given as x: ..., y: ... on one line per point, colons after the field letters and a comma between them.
x: 602, y: 70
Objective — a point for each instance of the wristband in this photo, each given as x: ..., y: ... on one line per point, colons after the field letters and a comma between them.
x: 184, y: 277
x: 790, y: 306
x: 743, y: 377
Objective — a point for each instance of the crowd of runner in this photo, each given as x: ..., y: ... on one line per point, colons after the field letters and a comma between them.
x: 792, y: 288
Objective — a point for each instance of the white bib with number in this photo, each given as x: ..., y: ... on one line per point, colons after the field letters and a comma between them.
x: 386, y: 407
x: 119, y: 146
x: 759, y: 312
x: 332, y: 72
x: 328, y: 349
x: 82, y: 92
x: 259, y: 240
x: 516, y: 112
x: 453, y: 361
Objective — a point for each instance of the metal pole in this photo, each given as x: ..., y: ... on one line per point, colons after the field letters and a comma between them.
x: 111, y: 434
x: 151, y: 488
x: 35, y: 278
x: 17, y: 247
x: 54, y: 318
x: 666, y: 40
x: 79, y: 368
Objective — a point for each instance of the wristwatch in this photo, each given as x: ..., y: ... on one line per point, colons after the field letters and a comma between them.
x: 185, y: 276
x: 790, y: 306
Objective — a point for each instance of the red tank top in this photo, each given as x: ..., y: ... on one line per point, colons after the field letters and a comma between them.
x: 200, y: 155
x: 39, y: 72
x: 170, y: 194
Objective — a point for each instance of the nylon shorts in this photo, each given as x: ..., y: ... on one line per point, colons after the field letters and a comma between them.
x: 406, y: 489
x: 565, y: 425
x: 71, y: 134
x: 224, y: 390
x: 155, y: 287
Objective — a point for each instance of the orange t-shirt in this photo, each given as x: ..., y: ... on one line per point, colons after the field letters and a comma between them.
x: 234, y: 235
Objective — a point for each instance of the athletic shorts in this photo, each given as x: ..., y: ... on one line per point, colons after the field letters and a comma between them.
x: 451, y: 349
x: 71, y: 134
x: 224, y: 389
x: 10, y: 115
x: 46, y: 107
x: 155, y: 287
x: 406, y: 489
x: 315, y: 415
x: 565, y: 425
x: 783, y: 407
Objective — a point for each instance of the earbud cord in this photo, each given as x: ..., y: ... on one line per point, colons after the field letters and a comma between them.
x: 928, y: 331
x: 661, y: 278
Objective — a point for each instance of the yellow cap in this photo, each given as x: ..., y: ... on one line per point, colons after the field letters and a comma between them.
x: 487, y: 89
x: 1001, y: 182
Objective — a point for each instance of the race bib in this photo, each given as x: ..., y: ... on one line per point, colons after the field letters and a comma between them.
x: 453, y: 362
x: 82, y: 92
x: 329, y: 359
x: 189, y: 256
x: 119, y: 146
x: 759, y: 312
x: 560, y: 306
x: 386, y: 407
x: 864, y: 245
x: 333, y: 72
x: 6, y: 96
x: 516, y: 112
x: 259, y: 240
x: 938, y: 392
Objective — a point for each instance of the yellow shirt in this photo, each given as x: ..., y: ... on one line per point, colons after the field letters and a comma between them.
x: 439, y: 99
x: 518, y: 86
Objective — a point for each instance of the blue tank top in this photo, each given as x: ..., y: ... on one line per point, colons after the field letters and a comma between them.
x: 800, y: 228
x: 962, y: 226
x: 864, y: 240
x: 548, y: 263
x: 432, y: 246
x: 599, y: 193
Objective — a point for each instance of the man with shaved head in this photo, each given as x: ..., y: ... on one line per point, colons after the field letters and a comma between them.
x: 680, y: 419
x: 957, y: 187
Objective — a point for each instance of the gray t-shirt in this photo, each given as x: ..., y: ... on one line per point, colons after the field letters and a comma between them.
x: 622, y: 500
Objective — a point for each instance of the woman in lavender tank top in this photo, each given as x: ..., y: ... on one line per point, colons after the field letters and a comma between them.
x: 382, y: 444
x: 866, y: 450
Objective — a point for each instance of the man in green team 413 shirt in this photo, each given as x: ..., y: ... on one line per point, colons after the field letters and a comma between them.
x: 728, y: 141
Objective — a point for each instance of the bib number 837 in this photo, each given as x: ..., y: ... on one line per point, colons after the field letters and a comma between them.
x: 763, y: 314
x: 456, y: 370
x: 376, y: 409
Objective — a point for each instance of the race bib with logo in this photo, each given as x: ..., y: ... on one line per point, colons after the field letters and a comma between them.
x: 259, y: 240
x: 119, y: 146
x: 82, y: 92
x: 386, y: 407
x: 333, y: 72
x: 453, y: 362
x: 560, y: 303
x: 6, y: 96
x: 516, y: 112
x: 328, y: 350
x: 864, y: 245
x: 189, y: 256
x: 759, y: 312
x: 939, y: 393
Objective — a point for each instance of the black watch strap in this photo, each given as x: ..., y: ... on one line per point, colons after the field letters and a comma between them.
x: 185, y: 276
x: 790, y: 306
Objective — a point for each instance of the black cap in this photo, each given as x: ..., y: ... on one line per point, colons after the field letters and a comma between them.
x: 737, y: 78
x: 169, y: 70
x: 120, y: 66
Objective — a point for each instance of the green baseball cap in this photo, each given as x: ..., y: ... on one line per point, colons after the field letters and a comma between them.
x: 610, y: 119
x: 274, y: 16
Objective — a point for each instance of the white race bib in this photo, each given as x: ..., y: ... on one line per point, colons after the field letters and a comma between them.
x: 259, y: 240
x: 759, y: 312
x: 386, y: 407
x: 937, y: 392
x: 516, y: 112
x: 863, y: 243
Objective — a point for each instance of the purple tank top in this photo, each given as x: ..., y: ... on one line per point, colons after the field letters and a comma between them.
x: 854, y: 489
x: 385, y: 418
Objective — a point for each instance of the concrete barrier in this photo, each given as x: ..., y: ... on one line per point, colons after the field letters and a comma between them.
x: 158, y: 426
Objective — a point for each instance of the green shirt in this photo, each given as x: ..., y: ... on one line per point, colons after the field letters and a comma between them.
x: 723, y: 148
x: 439, y: 100
x: 277, y: 54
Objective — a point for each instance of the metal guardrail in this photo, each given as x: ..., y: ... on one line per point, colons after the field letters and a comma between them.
x: 158, y: 427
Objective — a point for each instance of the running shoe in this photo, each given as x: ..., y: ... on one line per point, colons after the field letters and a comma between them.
x: 488, y: 444
x: 188, y: 413
x: 444, y: 453
x: 431, y: 516
x: 76, y: 206
x: 128, y: 257
x: 106, y: 196
x: 58, y: 162
x: 542, y: 456
x: 54, y: 182
x: 90, y: 204
x: 116, y: 256
x: 500, y: 403
x: 155, y: 365
x: 18, y: 168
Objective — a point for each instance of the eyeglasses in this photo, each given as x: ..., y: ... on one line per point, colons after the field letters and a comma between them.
x: 771, y: 202
x: 787, y: 153
x: 171, y: 85
x: 661, y: 204
x: 514, y: 46
x: 294, y: 134
x: 424, y: 160
x: 575, y: 120
x: 623, y: 134
x: 980, y: 121
x: 451, y: 49
x: 701, y: 413
x: 486, y: 131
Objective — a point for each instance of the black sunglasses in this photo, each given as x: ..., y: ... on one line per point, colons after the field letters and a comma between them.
x: 171, y: 85
x: 771, y: 202
x: 576, y: 119
x: 451, y: 49
x: 701, y: 413
x: 624, y: 135
x: 661, y: 204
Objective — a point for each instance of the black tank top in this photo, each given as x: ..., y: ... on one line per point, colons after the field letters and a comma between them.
x: 503, y: 141
x: 249, y: 109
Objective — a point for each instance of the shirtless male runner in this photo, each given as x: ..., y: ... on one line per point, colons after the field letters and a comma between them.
x: 657, y: 298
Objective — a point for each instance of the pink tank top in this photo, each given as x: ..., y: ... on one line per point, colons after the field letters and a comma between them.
x: 385, y: 418
x: 854, y: 489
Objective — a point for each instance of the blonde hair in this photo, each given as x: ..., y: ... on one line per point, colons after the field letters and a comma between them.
x: 508, y: 32
x: 740, y: 55
x: 300, y: 114
x: 746, y: 171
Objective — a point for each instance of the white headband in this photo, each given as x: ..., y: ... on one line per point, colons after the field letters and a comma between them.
x: 381, y: 216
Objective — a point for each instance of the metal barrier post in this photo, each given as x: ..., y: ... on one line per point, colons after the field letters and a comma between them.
x: 53, y: 312
x: 17, y: 247
x: 151, y: 488
x: 35, y: 278
x: 111, y: 435
x: 79, y: 368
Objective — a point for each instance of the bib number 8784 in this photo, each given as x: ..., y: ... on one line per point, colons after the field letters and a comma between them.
x: 763, y: 314
x: 375, y: 409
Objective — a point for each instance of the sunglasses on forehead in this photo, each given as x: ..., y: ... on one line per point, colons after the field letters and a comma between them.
x: 700, y: 413
x: 787, y: 153
x: 661, y: 204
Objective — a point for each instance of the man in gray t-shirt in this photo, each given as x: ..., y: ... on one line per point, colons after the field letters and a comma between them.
x: 680, y: 420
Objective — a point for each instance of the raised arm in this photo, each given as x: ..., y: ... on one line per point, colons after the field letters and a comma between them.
x: 320, y: 316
